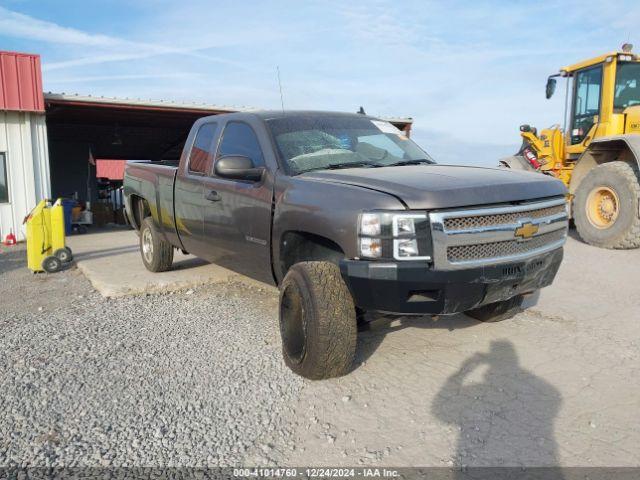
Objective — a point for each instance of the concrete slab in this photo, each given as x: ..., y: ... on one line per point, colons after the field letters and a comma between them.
x: 111, y: 261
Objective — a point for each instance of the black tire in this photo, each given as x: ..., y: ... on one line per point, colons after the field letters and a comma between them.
x: 64, y: 254
x: 498, y: 311
x: 51, y: 264
x: 317, y: 321
x: 160, y: 255
x: 624, y: 231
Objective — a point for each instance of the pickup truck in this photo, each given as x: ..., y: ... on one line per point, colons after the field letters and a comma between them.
x: 346, y: 214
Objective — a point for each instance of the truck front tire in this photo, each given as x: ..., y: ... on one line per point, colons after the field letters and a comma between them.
x: 605, y: 208
x: 498, y: 311
x: 156, y: 252
x: 317, y: 321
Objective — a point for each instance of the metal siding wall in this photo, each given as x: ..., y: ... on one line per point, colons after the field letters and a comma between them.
x: 40, y: 148
x: 20, y: 82
x: 23, y: 139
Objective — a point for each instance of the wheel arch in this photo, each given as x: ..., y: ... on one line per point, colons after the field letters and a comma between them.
x: 139, y: 211
x: 303, y: 246
x: 624, y: 148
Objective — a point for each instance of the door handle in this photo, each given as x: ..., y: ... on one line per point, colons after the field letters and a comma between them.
x: 213, y: 196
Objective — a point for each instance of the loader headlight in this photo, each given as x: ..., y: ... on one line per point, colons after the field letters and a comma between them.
x: 398, y: 235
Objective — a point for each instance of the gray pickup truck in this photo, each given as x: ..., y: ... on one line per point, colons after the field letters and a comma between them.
x: 346, y: 215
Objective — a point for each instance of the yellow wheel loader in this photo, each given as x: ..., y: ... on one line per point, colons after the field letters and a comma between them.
x: 597, y: 153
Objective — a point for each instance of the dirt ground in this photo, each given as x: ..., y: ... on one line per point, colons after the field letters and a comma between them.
x: 557, y: 385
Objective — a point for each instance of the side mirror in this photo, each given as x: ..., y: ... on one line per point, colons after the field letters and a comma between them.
x: 551, y: 87
x: 238, y: 167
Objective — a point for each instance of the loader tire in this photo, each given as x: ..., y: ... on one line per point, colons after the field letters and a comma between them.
x: 498, y: 311
x: 317, y: 321
x: 606, y: 206
x: 156, y: 252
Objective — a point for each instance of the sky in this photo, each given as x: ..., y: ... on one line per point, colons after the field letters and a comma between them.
x: 468, y: 73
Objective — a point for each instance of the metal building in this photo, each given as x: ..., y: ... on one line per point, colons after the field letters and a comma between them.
x: 24, y: 153
x: 51, y: 143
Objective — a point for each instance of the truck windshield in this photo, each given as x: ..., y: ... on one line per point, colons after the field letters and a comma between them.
x: 314, y: 142
x: 627, y: 91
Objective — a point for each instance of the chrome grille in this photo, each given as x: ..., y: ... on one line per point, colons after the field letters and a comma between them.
x: 465, y: 253
x: 495, y: 234
x: 478, y: 221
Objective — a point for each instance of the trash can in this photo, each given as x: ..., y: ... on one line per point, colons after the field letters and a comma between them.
x: 67, y: 205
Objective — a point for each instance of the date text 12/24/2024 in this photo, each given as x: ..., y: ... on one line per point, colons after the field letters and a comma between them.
x: 315, y: 473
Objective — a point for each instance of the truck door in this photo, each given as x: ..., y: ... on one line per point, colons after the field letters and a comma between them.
x: 237, y: 215
x: 189, y: 194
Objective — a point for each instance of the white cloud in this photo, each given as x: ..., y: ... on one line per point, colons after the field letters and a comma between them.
x: 16, y: 24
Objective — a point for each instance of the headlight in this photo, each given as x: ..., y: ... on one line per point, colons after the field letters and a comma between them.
x: 405, y: 248
x: 370, y: 224
x: 371, y: 247
x: 398, y: 235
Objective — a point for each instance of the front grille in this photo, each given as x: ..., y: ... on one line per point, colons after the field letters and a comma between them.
x: 479, y: 221
x: 481, y: 251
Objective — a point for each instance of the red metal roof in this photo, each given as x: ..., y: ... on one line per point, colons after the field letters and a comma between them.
x: 111, y: 169
x: 20, y: 82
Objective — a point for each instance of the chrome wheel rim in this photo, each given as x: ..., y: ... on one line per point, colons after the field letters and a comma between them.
x: 147, y: 246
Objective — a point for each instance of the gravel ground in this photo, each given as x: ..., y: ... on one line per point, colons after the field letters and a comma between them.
x: 196, y: 378
x: 189, y: 379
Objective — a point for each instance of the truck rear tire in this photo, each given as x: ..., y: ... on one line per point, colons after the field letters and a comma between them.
x: 317, y: 321
x: 498, y: 311
x: 156, y: 252
x: 605, y: 208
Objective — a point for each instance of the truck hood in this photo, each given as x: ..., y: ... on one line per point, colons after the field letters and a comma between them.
x: 445, y: 186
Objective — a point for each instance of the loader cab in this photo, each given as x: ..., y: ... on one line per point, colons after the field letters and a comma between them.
x: 599, y: 91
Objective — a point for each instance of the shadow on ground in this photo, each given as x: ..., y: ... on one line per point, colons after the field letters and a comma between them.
x: 12, y: 258
x: 504, y: 416
x: 378, y: 326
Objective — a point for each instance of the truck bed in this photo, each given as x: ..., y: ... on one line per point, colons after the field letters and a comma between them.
x: 154, y: 181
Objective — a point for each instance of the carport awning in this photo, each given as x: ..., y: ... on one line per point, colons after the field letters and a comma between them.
x: 132, y: 129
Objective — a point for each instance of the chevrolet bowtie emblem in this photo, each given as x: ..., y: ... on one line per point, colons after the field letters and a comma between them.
x: 527, y: 230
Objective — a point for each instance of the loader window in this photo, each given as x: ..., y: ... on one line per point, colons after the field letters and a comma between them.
x: 4, y: 181
x: 627, y: 91
x: 586, y: 104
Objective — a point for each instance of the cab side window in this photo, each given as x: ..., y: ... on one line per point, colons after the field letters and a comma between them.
x: 201, y: 156
x: 239, y: 139
x: 587, y: 102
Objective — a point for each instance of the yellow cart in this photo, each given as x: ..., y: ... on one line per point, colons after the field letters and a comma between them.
x: 46, y: 248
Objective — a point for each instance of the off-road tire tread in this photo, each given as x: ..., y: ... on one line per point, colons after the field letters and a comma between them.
x: 631, y: 238
x: 331, y: 321
x: 162, y: 250
x: 498, y: 311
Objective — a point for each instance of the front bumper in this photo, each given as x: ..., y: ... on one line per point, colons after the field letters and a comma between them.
x: 414, y: 288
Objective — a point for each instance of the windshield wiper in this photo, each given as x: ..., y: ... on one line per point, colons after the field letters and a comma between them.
x: 420, y: 161
x: 337, y: 166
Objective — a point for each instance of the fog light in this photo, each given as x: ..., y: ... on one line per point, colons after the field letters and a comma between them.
x: 405, y: 248
x: 370, y: 247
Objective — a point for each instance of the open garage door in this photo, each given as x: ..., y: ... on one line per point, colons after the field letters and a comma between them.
x: 80, y: 128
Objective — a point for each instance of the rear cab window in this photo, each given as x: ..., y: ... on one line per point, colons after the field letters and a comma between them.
x: 201, y: 156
